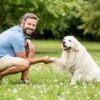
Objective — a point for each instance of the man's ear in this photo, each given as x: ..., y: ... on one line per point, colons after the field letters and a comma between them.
x: 22, y: 23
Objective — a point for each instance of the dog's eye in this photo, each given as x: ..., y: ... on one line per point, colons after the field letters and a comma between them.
x: 69, y: 40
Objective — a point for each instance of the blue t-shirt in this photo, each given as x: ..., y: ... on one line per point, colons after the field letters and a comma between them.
x: 12, y: 41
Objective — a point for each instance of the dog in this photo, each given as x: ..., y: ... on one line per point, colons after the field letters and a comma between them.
x: 78, y: 61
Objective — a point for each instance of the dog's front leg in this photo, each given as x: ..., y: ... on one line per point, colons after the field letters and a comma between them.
x: 58, y: 64
x: 76, y: 77
x: 59, y: 61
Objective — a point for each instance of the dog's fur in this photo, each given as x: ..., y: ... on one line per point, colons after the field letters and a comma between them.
x: 78, y: 61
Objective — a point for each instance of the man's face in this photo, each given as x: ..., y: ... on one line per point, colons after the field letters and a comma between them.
x: 29, y: 26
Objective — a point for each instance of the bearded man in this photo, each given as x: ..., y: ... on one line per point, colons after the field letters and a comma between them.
x: 16, y: 52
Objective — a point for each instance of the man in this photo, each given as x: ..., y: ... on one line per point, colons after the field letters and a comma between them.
x: 16, y: 51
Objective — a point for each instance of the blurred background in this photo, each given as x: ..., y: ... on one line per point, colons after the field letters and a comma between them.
x: 58, y: 18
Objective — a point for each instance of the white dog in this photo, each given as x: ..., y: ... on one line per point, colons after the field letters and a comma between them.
x: 78, y: 61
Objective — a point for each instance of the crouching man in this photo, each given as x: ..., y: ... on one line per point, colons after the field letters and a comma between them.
x: 16, y: 52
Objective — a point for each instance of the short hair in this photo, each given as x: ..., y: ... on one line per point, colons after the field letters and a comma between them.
x: 29, y: 15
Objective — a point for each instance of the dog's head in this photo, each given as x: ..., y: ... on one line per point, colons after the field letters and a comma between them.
x: 70, y: 43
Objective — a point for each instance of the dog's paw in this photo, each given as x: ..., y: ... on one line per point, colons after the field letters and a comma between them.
x: 53, y: 59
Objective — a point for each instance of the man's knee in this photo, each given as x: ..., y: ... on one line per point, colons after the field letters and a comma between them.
x: 25, y: 64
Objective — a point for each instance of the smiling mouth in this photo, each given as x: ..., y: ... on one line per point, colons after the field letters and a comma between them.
x: 30, y: 30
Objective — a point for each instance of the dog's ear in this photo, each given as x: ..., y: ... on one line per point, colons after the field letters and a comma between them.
x: 77, y: 46
x: 76, y: 43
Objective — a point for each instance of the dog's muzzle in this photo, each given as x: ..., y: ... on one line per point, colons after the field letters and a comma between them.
x: 65, y: 47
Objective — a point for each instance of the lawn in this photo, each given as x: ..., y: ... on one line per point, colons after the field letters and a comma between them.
x: 46, y: 83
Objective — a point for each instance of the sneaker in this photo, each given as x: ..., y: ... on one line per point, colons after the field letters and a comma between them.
x: 24, y: 81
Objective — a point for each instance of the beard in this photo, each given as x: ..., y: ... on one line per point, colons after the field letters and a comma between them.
x: 28, y: 31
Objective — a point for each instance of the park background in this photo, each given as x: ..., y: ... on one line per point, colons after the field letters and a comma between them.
x: 58, y: 18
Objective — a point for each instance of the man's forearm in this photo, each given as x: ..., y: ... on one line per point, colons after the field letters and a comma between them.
x: 34, y: 60
x: 45, y: 60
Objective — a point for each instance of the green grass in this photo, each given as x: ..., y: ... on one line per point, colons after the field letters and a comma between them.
x: 47, y: 84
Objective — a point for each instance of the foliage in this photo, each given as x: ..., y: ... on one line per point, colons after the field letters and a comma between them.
x: 52, y: 13
x: 48, y: 11
x: 91, y: 17
x: 57, y: 17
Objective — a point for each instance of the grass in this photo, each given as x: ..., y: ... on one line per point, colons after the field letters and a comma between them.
x: 47, y: 84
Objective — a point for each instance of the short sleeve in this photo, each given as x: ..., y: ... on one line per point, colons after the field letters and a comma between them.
x: 18, y: 44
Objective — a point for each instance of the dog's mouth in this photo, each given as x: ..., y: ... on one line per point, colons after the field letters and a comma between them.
x: 67, y: 48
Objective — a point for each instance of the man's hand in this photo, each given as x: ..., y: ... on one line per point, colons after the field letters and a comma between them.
x: 46, y: 60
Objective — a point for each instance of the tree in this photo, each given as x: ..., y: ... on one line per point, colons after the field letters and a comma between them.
x: 52, y: 13
x: 59, y: 17
x: 90, y: 14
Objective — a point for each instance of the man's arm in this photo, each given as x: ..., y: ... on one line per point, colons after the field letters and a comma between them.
x: 30, y: 49
x: 45, y: 59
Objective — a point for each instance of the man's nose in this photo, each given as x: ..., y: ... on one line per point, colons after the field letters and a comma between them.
x: 31, y: 26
